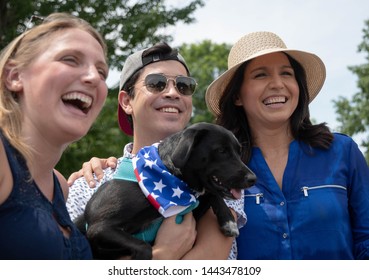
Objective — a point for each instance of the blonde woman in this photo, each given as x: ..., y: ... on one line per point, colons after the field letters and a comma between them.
x: 52, y: 89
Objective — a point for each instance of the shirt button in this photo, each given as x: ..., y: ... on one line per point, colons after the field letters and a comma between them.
x: 282, y: 203
x: 285, y: 235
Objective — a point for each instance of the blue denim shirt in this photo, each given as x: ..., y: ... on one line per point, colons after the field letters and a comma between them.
x: 322, y: 211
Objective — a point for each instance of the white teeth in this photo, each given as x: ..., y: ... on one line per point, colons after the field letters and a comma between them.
x: 275, y: 99
x: 85, y: 99
x: 169, y: 110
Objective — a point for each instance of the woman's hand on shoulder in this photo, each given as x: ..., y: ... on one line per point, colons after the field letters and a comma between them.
x: 95, y: 165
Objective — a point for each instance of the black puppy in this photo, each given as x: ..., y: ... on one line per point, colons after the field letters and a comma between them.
x: 205, y: 156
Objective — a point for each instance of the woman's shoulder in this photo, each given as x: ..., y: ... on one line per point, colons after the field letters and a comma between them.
x: 63, y: 183
x: 341, y: 138
x: 3, y: 157
x: 6, y: 177
x: 345, y: 143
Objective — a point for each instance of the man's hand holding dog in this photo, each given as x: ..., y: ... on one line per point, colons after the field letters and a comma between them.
x: 170, y: 233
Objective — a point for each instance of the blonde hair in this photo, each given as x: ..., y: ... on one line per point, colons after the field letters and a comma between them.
x: 20, y: 53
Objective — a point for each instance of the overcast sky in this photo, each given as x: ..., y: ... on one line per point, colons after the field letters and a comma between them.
x: 332, y: 29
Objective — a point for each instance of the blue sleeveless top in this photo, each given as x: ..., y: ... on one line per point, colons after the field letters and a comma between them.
x: 29, y: 222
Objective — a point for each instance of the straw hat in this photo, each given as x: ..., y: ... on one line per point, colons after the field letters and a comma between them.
x: 257, y: 44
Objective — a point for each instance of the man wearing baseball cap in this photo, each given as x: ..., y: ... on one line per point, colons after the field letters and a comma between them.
x: 158, y: 83
x: 155, y: 101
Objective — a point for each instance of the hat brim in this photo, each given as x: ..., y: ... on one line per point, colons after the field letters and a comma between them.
x: 124, y: 124
x: 312, y: 64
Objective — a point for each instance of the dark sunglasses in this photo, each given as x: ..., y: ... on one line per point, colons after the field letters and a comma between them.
x: 157, y: 83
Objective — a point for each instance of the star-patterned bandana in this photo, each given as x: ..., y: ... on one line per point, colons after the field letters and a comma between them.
x: 168, y: 194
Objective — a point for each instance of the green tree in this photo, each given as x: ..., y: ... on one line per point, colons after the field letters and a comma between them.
x: 353, y: 114
x: 206, y: 60
x: 126, y: 25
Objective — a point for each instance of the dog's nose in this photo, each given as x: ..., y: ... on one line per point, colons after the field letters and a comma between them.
x: 250, y: 179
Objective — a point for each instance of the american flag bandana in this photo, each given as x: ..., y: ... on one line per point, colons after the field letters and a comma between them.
x: 167, y: 193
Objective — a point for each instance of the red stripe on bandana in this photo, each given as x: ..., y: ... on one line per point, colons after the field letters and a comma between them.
x: 153, y: 202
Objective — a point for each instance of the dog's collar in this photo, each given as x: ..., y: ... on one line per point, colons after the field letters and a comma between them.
x: 167, y: 193
x: 125, y: 171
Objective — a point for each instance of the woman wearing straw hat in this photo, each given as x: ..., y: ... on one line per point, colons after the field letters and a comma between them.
x: 311, y: 199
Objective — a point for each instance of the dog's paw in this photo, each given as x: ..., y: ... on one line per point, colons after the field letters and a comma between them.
x: 230, y: 229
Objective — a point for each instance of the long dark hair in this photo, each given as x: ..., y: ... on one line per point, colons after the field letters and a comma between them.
x: 234, y: 118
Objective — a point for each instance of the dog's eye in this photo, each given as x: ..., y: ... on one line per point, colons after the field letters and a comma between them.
x: 221, y: 150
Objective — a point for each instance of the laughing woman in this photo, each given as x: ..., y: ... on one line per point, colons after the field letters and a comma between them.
x: 311, y: 198
x: 52, y: 89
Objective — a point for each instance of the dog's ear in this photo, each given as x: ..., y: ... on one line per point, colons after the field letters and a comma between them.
x: 187, y: 142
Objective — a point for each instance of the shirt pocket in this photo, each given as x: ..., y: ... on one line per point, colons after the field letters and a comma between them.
x: 323, y: 206
x: 254, y: 198
x: 306, y: 189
